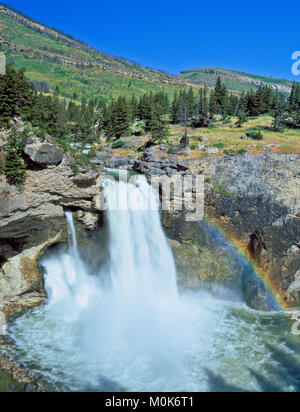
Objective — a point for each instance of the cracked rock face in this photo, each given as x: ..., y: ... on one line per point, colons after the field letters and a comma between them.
x: 257, y: 198
x: 32, y: 219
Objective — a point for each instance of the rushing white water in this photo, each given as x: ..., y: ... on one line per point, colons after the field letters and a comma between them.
x: 142, y: 264
x: 137, y: 332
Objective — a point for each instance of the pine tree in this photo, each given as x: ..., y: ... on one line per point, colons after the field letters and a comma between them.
x: 14, y: 166
x: 118, y: 119
x: 158, y: 126
x: 220, y: 96
x: 242, y: 110
x: 175, y: 109
x: 17, y: 95
x: 279, y: 112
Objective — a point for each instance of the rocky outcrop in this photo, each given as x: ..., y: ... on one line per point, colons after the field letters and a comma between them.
x: 44, y: 153
x: 254, y: 199
x: 293, y: 291
x: 257, y: 199
x: 32, y: 219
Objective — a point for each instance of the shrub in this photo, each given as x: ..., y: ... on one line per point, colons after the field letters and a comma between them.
x: 219, y: 145
x: 118, y: 144
x: 254, y: 134
x: 241, y: 151
x: 229, y: 152
x: 258, y: 136
x: 193, y: 146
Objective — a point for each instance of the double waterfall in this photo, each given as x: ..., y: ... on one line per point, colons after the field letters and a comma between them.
x: 133, y: 326
x: 124, y: 326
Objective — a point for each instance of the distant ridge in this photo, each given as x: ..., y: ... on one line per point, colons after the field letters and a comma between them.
x: 234, y: 80
x: 53, y: 58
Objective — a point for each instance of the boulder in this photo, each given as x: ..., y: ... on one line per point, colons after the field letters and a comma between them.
x: 44, y: 153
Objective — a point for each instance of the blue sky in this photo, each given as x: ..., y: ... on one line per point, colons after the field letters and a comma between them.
x: 257, y: 37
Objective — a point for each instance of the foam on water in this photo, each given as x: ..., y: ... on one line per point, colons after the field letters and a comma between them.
x: 137, y: 332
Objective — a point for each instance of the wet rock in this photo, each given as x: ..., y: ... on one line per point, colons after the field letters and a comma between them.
x: 89, y: 220
x: 21, y: 283
x: 293, y: 292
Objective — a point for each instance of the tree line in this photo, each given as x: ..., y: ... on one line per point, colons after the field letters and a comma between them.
x: 84, y: 122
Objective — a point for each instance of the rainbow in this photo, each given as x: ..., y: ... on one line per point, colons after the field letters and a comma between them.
x: 268, y: 283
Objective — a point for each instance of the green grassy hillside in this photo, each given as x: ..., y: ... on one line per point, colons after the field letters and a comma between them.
x: 61, y: 60
x: 234, y: 80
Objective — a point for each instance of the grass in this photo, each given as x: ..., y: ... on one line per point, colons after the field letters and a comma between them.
x: 224, y: 137
x: 8, y: 384
x: 234, y: 80
x: 110, y: 78
x: 228, y: 140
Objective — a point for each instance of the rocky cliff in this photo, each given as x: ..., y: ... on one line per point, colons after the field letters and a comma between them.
x: 32, y: 219
x: 256, y: 199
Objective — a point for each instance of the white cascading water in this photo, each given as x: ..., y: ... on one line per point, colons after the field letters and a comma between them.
x: 137, y: 332
x: 141, y: 264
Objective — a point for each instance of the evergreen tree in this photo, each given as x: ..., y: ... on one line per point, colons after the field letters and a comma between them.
x: 158, y: 126
x: 242, y: 110
x: 175, y: 109
x: 17, y: 95
x: 14, y: 166
x: 220, y: 96
x: 279, y: 112
x: 118, y: 120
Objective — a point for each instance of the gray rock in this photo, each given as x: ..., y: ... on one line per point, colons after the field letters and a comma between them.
x: 44, y: 153
x: 85, y: 180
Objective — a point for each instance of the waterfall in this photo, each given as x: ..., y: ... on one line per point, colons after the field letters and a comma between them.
x: 141, y: 265
x: 134, y: 318
x: 141, y: 259
x: 136, y: 332
x: 67, y: 283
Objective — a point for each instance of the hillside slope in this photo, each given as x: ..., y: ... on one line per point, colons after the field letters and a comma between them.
x: 234, y: 80
x: 59, y: 59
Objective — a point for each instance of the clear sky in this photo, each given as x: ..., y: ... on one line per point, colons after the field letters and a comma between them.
x: 258, y: 37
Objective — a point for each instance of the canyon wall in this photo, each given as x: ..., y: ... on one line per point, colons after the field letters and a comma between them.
x: 256, y: 199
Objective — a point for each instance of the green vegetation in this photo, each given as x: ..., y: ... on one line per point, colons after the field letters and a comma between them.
x: 229, y: 152
x: 118, y: 144
x: 54, y: 61
x: 8, y: 384
x: 81, y: 96
x: 234, y: 80
x: 254, y: 134
x: 14, y: 167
